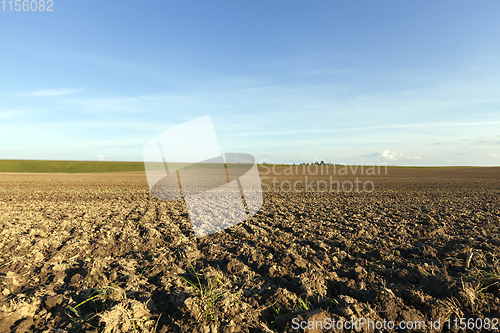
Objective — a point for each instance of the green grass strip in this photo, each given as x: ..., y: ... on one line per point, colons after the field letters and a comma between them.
x: 68, y: 166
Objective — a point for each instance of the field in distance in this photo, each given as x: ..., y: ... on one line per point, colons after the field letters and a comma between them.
x: 42, y: 166
x: 47, y: 166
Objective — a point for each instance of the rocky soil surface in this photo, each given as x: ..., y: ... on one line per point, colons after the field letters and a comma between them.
x: 96, y: 253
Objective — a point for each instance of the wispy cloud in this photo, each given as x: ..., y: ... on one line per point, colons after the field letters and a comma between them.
x: 328, y: 72
x: 486, y: 142
x: 13, y: 113
x: 53, y: 92
x: 387, y: 155
x: 492, y: 140
x: 380, y: 127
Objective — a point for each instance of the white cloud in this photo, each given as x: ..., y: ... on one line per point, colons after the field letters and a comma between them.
x: 54, y: 92
x: 495, y: 155
x: 100, y: 158
x: 387, y: 155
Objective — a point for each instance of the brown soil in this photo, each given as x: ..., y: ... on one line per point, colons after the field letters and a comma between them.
x: 95, y: 252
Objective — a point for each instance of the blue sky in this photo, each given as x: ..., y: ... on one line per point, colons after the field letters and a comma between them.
x: 397, y: 82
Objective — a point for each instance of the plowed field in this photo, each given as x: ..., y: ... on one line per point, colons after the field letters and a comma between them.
x: 95, y: 252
